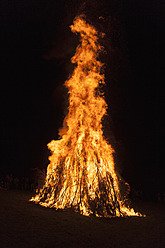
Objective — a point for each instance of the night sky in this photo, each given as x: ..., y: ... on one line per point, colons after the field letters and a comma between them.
x: 36, y: 46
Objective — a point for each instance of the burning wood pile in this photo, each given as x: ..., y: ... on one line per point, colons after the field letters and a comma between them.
x: 81, y: 174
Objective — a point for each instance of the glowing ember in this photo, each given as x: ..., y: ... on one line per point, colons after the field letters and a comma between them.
x: 81, y: 173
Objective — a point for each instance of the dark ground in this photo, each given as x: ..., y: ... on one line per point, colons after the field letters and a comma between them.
x: 24, y: 224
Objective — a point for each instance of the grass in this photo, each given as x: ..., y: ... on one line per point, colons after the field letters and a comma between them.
x: 26, y: 225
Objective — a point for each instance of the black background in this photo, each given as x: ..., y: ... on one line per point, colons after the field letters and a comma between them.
x: 35, y: 49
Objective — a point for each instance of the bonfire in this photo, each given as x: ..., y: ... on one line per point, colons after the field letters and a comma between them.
x: 81, y: 174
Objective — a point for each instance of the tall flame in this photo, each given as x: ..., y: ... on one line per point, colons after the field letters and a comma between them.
x: 81, y: 173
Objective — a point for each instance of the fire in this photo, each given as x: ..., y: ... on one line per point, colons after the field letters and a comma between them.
x: 81, y: 174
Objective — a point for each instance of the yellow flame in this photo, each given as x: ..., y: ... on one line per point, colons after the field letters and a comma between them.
x: 81, y: 173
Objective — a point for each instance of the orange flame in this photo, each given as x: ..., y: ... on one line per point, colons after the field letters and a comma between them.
x: 81, y: 173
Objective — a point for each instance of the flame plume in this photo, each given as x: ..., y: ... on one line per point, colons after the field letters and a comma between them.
x: 81, y: 172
